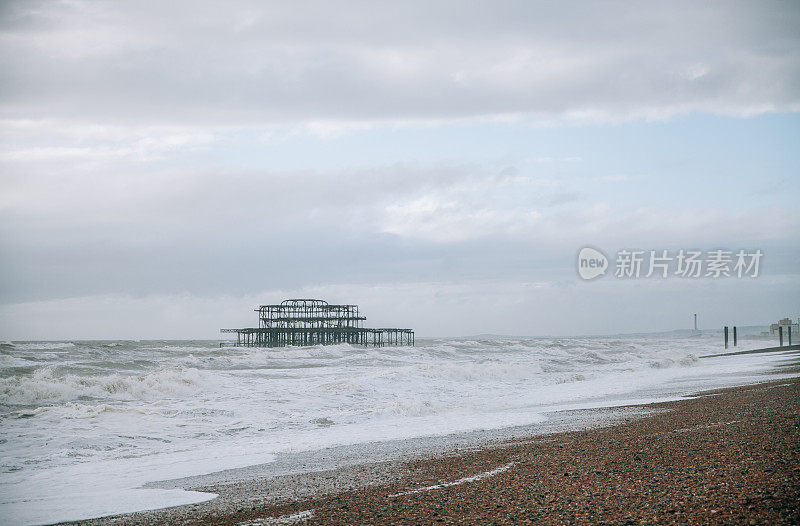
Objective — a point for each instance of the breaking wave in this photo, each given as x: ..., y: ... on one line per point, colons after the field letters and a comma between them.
x: 45, y: 386
x: 13, y: 361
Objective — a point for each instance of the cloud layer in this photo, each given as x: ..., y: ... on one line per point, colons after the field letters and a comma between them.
x: 249, y: 63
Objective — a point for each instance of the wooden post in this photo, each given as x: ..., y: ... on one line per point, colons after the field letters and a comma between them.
x: 780, y: 335
x: 726, y: 336
x: 734, y: 335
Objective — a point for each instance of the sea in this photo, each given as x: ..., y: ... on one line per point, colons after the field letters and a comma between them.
x: 84, y: 424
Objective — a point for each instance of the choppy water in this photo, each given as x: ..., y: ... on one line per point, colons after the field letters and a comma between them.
x: 84, y: 423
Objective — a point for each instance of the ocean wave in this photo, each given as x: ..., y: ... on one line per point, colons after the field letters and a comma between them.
x: 343, y: 385
x: 475, y: 371
x: 405, y: 407
x: 288, y: 358
x: 685, y: 360
x: 45, y: 386
x: 38, y: 346
x: 7, y: 361
x: 689, y: 359
x: 568, y: 379
x: 72, y: 410
x: 194, y: 349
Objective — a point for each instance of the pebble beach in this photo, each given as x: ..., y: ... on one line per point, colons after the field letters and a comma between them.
x: 730, y: 456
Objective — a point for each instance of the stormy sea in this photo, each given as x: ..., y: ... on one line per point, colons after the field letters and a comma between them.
x: 86, y: 423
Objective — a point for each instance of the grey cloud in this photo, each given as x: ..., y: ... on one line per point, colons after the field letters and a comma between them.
x: 254, y: 63
x: 231, y: 232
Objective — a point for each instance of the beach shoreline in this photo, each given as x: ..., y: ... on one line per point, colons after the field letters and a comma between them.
x: 725, y: 456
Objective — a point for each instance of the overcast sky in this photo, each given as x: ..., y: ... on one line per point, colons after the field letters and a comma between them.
x: 165, y: 167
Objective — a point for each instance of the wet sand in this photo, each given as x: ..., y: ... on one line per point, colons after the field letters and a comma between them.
x: 730, y: 456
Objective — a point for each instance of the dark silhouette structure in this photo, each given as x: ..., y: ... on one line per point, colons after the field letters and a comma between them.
x: 315, y: 322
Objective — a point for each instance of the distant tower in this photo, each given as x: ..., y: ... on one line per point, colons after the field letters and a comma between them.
x: 695, y: 322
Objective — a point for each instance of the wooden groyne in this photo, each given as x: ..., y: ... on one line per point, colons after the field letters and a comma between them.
x: 756, y: 351
x: 305, y: 322
x: 780, y: 347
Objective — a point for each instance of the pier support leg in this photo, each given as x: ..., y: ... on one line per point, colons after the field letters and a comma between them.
x: 734, y: 335
x: 726, y: 336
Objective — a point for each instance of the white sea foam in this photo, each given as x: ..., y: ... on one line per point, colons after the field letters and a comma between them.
x: 77, y: 415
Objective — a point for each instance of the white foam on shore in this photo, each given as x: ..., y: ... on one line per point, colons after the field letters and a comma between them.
x: 73, y: 506
x: 97, y: 489
x: 294, y: 518
x: 464, y: 480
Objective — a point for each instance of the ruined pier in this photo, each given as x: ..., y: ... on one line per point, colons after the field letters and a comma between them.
x: 303, y: 322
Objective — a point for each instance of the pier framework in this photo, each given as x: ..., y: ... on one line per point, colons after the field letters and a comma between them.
x: 315, y: 322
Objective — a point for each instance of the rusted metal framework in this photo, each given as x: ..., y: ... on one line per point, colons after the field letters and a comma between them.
x: 315, y: 322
